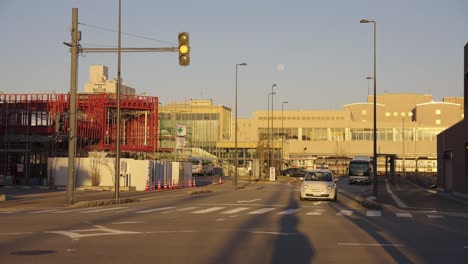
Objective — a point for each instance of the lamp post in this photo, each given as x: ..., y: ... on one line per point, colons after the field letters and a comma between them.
x: 375, y: 106
x: 271, y: 137
x: 235, y: 131
x: 368, y: 78
x: 282, y: 134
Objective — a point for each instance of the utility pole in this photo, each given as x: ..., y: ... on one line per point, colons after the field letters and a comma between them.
x: 119, y: 83
x: 74, y: 45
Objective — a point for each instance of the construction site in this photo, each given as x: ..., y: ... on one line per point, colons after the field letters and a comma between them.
x: 34, y: 127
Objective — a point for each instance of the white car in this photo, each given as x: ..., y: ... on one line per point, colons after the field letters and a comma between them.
x: 318, y: 184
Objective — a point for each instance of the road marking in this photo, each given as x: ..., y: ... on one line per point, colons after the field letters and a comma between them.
x: 236, y: 210
x: 319, y: 202
x: 465, y: 247
x: 221, y: 219
x: 432, y: 191
x: 102, y: 210
x: 212, y: 209
x: 7, y: 212
x: 435, y: 216
x: 404, y: 215
x: 289, y: 211
x: 43, y: 211
x: 314, y: 213
x: 248, y: 201
x: 154, y: 210
x: 377, y: 245
x: 373, y: 213
x: 73, y: 210
x: 129, y: 222
x: 272, y: 233
x: 100, y: 231
x: 262, y: 211
x: 345, y: 212
x: 187, y: 209
x: 394, y: 197
x: 236, y: 204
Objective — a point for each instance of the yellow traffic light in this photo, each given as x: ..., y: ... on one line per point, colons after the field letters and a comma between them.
x: 184, y: 49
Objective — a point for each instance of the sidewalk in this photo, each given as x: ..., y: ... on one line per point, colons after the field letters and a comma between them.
x: 405, y: 195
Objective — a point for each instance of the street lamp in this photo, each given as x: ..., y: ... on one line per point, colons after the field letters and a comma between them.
x: 271, y: 137
x: 375, y: 106
x: 368, y: 78
x: 235, y: 131
x: 282, y: 134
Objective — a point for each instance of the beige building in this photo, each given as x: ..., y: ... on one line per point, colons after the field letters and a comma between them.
x: 407, y: 126
x: 99, y: 82
x: 206, y: 123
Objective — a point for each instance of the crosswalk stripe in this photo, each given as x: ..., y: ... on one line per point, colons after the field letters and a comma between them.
x: 102, y: 210
x: 154, y: 210
x: 233, y: 211
x: 314, y: 213
x: 289, y: 211
x: 435, y: 216
x: 262, y: 211
x: 404, y: 215
x: 345, y: 212
x: 373, y: 213
x: 72, y: 210
x: 212, y: 209
x: 187, y: 209
x: 43, y: 211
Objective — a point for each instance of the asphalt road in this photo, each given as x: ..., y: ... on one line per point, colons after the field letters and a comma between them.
x: 262, y: 223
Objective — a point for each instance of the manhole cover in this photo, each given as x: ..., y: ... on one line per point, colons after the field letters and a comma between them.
x: 32, y: 252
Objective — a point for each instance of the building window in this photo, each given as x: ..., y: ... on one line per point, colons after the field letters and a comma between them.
x: 437, y: 111
x: 364, y: 112
x: 403, y: 113
x: 438, y: 122
x: 387, y: 113
x: 395, y: 114
x: 410, y: 114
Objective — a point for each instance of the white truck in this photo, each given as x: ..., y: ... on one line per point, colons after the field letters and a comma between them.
x: 360, y: 170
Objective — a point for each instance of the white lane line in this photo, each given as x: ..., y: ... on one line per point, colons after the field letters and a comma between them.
x: 373, y: 213
x: 465, y: 247
x: 314, y: 213
x: 373, y: 245
x: 154, y: 210
x: 221, y: 219
x: 102, y: 210
x: 319, y: 202
x: 74, y: 210
x: 345, y: 212
x: 7, y: 212
x: 272, y: 233
x: 236, y: 210
x: 435, y: 216
x: 262, y: 211
x: 404, y: 215
x: 289, y: 211
x: 432, y: 191
x: 129, y: 222
x: 248, y: 201
x: 43, y: 211
x: 187, y: 209
x: 394, y: 197
x: 212, y: 209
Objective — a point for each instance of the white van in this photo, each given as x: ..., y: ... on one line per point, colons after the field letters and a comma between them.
x: 201, y: 166
x: 360, y: 170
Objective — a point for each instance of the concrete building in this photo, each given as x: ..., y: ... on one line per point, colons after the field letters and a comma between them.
x: 99, y: 82
x: 452, y: 150
x: 407, y: 127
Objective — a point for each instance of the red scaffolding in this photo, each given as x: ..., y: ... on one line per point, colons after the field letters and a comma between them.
x: 48, y: 115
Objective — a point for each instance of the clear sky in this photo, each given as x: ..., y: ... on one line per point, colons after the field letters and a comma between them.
x: 317, y: 52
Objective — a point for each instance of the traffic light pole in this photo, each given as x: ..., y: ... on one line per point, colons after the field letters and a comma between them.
x: 75, y: 49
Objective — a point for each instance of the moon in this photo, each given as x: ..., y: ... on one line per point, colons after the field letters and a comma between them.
x: 280, y: 67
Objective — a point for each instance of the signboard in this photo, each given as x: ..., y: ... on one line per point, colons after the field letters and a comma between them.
x: 181, y: 130
x: 180, y: 142
x: 272, y: 174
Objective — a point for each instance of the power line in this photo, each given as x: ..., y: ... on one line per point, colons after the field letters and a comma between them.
x: 128, y: 34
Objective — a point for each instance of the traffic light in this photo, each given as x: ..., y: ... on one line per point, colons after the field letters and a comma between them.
x: 184, y: 49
